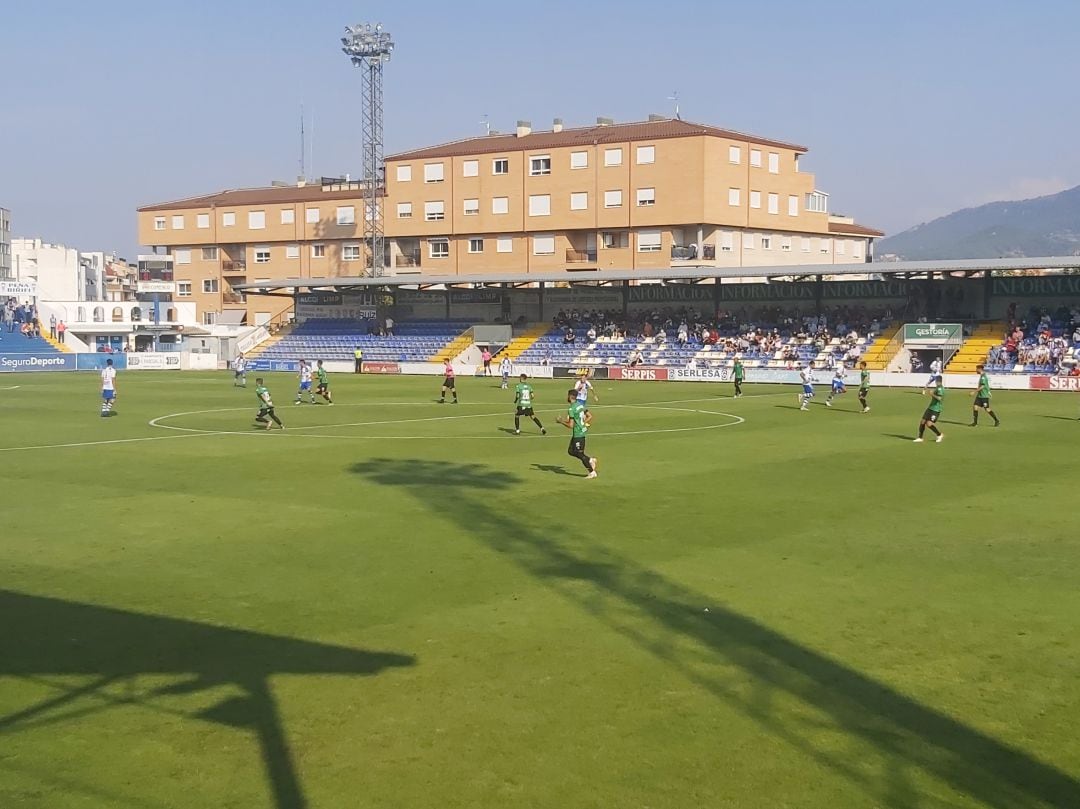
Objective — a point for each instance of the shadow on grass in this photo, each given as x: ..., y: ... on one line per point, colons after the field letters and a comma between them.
x: 909, y: 740
x: 897, y: 435
x: 555, y: 470
x: 45, y: 637
x: 1058, y: 418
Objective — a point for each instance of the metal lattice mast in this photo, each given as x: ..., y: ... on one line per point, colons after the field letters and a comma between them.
x: 369, y: 47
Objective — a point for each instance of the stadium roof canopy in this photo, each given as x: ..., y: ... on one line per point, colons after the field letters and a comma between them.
x: 677, y: 275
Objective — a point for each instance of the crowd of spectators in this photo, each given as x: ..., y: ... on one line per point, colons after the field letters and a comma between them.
x: 1047, y: 339
x: 20, y: 317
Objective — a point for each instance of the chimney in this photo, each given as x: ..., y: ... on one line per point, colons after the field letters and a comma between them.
x: 524, y: 128
x: 556, y: 125
x: 301, y: 181
x: 654, y: 118
x: 605, y: 121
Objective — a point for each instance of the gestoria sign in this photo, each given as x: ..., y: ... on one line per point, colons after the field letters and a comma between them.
x: 932, y: 334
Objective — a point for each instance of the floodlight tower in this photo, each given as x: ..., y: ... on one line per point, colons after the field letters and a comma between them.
x: 369, y: 47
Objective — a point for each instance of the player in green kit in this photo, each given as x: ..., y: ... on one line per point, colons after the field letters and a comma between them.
x: 266, y: 406
x: 578, y: 420
x: 523, y: 394
x: 738, y: 374
x: 864, y: 387
x: 933, y: 413
x: 982, y: 399
x: 323, y: 382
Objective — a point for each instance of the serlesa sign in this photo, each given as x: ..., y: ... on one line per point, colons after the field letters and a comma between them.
x: 931, y: 333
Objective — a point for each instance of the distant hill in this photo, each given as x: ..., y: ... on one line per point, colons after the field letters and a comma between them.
x: 1046, y: 226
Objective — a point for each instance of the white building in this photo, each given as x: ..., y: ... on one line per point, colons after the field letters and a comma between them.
x: 5, y: 245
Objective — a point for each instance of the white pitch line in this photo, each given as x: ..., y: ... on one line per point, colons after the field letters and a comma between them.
x: 111, y: 441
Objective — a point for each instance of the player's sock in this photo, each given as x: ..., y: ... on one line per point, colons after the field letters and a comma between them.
x: 536, y: 421
x: 517, y: 424
x: 922, y: 429
x: 975, y: 418
x: 993, y: 415
x: 934, y: 429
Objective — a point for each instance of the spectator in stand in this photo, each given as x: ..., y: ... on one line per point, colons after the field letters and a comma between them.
x: 636, y: 358
x: 389, y: 327
x: 52, y: 326
x: 590, y: 335
x: 684, y: 334
x: 569, y: 337
x: 61, y: 330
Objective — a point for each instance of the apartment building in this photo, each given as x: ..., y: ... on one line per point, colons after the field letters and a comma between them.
x: 648, y: 195
x: 5, y: 245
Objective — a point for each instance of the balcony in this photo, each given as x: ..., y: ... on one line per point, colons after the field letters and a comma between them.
x: 230, y: 267
x: 408, y: 260
x: 580, y: 256
x: 232, y: 297
x: 706, y: 252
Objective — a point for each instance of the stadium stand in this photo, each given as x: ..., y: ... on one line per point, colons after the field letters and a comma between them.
x: 1044, y: 342
x: 13, y: 339
x: 336, y: 339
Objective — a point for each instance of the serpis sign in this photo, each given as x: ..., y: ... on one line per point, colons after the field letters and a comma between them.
x: 1070, y: 383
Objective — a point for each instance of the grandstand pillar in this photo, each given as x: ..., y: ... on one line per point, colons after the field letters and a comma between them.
x: 625, y: 300
x: 988, y: 288
x: 716, y: 301
x: 819, y: 291
x: 540, y: 299
x: 446, y: 292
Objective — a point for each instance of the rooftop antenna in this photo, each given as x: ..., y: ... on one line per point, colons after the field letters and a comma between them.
x: 303, y: 145
x: 484, y: 122
x: 675, y: 97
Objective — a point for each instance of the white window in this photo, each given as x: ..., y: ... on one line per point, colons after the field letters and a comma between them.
x: 288, y: 216
x: 539, y: 165
x: 178, y: 222
x: 228, y: 219
x: 543, y: 245
x: 472, y: 207
x: 613, y: 199
x: 755, y: 158
x: 540, y: 205
x: 500, y: 205
x: 292, y: 251
x: 159, y: 223
x: 318, y: 251
x: 262, y: 254
x: 646, y: 197
x: 182, y: 256
x: 612, y: 157
x: 748, y: 241
x: 615, y: 239
x: 404, y: 210
x: 579, y: 201
x: 727, y: 241
x: 433, y: 172
x: 824, y: 245
x: 346, y: 215
x: 774, y: 163
x: 755, y: 199
x: 350, y: 252
x: 209, y: 254
x: 439, y: 248
x: 785, y: 244
x: 470, y: 168
x: 766, y: 242
x: 579, y: 160
x: 500, y: 165
x: 734, y: 155
x: 434, y: 211
x: 209, y: 318
x: 202, y: 221
x: 504, y: 244
x: 856, y: 248
x: 209, y: 285
x: 841, y: 247
x: 404, y: 174
x: 806, y: 245
x: 183, y: 289
x: 256, y: 220
x: 646, y: 155
x: 774, y: 203
x: 311, y: 216
x: 648, y: 241
x: 792, y: 205
x: 476, y: 245
x: 734, y: 197
x: 818, y: 202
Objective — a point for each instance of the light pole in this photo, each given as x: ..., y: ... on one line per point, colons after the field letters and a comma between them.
x: 369, y: 47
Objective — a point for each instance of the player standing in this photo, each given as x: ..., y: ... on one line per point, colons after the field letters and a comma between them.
x: 738, y: 374
x: 485, y: 356
x: 305, y: 383
x: 108, y: 389
x: 838, y: 385
x: 523, y: 394
x: 240, y: 371
x: 932, y: 414
x: 806, y: 374
x: 583, y: 387
x: 266, y: 413
x: 323, y: 388
x: 982, y: 399
x: 578, y: 419
x: 935, y: 375
x: 448, y: 383
x: 864, y: 387
x: 505, y: 368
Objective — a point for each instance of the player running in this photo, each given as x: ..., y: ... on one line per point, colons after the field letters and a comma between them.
x: 108, y: 389
x: 935, y: 375
x: 448, y: 383
x: 523, y: 393
x: 932, y: 414
x: 583, y: 387
x: 266, y: 413
x: 838, y: 384
x: 240, y: 371
x: 578, y: 420
x: 305, y: 383
x: 323, y: 387
x: 505, y: 369
x: 738, y: 374
x: 982, y: 398
x: 864, y: 387
x: 806, y: 374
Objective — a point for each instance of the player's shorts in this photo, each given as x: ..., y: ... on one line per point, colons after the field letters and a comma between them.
x: 808, y: 390
x: 839, y: 387
x: 577, y: 447
x: 448, y: 382
x: 864, y: 391
x: 982, y: 401
x: 487, y: 363
x: 323, y: 387
x: 238, y: 373
x: 525, y: 411
x: 108, y: 395
x: 930, y: 416
x: 934, y: 378
x: 305, y: 386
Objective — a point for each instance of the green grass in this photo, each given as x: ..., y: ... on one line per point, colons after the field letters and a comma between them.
x: 398, y: 604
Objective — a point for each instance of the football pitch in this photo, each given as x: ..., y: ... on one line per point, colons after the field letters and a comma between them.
x: 397, y: 603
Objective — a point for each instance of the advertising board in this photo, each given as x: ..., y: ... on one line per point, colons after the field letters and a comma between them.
x: 154, y: 361
x: 21, y: 363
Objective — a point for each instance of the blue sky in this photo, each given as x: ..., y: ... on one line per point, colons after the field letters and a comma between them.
x: 910, y: 109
